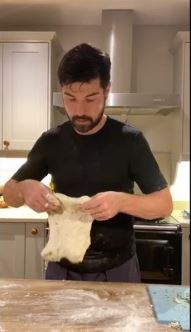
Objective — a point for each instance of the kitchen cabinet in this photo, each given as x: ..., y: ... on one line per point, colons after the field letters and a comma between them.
x: 1, y: 94
x: 185, y: 254
x: 12, y: 243
x: 186, y: 100
x: 181, y: 56
x: 20, y: 247
x: 27, y: 61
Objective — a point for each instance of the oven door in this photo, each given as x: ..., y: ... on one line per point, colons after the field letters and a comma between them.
x: 159, y: 255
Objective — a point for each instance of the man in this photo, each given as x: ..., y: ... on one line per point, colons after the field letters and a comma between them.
x: 94, y: 155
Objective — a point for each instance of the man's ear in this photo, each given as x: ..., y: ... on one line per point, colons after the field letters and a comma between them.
x: 107, y: 89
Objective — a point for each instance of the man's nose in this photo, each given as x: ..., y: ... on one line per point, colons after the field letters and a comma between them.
x: 80, y: 109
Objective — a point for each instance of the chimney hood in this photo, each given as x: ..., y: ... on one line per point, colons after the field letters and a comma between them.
x: 117, y: 27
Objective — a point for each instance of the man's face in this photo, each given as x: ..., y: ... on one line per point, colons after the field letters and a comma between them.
x: 84, y: 104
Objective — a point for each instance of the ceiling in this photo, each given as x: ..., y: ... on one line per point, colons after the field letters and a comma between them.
x: 88, y: 12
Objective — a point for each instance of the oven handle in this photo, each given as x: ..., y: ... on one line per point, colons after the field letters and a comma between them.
x: 168, y: 269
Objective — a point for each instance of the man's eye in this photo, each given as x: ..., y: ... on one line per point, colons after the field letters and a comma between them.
x: 90, y: 100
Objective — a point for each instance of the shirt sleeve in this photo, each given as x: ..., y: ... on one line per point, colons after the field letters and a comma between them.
x: 144, y: 167
x: 36, y: 166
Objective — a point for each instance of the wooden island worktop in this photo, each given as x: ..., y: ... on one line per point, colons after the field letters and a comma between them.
x: 55, y: 306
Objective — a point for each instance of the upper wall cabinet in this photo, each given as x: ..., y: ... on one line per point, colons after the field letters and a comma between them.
x: 181, y: 53
x: 26, y: 83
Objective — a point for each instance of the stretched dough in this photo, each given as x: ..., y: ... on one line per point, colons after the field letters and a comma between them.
x: 69, y: 235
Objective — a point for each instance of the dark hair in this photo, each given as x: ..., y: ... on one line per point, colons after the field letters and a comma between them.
x: 84, y: 63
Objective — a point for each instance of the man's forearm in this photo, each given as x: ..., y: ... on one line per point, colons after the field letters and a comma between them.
x: 12, y: 193
x: 150, y: 206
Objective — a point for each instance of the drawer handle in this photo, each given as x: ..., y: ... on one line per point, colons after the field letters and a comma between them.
x: 6, y: 145
x: 34, y: 231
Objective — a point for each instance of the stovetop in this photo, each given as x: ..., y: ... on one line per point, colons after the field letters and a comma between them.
x: 158, y: 221
x: 168, y: 223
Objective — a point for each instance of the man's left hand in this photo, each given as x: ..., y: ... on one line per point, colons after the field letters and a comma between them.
x: 103, y: 206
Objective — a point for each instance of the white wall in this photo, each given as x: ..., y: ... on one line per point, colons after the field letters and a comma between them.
x: 152, y: 61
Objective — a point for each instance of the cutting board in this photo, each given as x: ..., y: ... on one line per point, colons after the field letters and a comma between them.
x: 168, y: 305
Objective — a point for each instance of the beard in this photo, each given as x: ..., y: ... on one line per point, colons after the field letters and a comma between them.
x: 85, y: 123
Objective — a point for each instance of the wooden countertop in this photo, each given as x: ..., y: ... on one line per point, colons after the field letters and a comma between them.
x: 70, y: 306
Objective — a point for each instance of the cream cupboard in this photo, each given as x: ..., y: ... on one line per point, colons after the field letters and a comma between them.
x: 22, y: 238
x: 181, y: 58
x: 27, y: 61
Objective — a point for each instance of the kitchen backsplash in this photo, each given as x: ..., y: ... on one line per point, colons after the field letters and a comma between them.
x: 180, y: 187
x: 8, y: 166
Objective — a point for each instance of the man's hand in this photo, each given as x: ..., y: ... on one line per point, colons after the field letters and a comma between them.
x: 32, y: 193
x: 103, y: 205
x: 36, y: 196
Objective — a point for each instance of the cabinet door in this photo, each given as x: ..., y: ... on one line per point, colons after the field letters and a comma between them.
x: 25, y: 93
x: 35, y: 242
x: 12, y: 246
x: 186, y: 101
x: 1, y: 96
x: 185, y: 255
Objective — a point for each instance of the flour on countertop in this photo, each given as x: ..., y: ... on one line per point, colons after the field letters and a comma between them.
x: 2, y: 304
x: 74, y: 306
x: 80, y: 310
x: 10, y: 286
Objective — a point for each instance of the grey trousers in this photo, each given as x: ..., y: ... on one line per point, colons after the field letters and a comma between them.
x: 127, y: 272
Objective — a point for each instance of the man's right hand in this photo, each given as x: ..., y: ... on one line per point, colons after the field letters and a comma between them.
x: 32, y: 193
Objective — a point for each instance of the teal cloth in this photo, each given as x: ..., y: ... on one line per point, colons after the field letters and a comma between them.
x: 166, y: 309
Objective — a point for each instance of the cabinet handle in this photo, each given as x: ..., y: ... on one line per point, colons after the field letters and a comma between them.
x: 6, y: 145
x: 34, y: 231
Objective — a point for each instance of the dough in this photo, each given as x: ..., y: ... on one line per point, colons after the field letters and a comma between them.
x: 69, y: 235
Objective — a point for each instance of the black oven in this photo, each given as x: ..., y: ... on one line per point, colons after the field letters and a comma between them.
x: 159, y: 246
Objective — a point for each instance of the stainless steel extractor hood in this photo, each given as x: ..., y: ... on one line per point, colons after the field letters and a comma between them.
x: 117, y: 26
